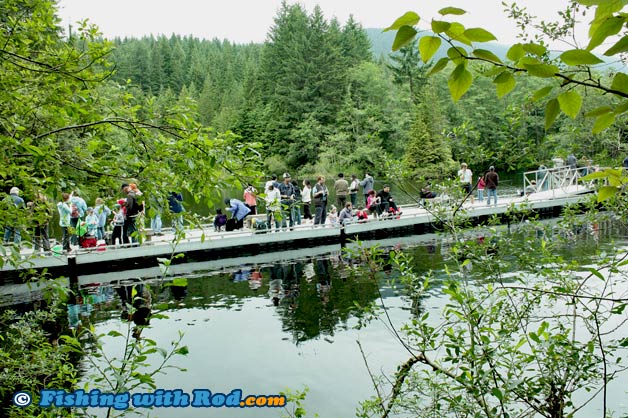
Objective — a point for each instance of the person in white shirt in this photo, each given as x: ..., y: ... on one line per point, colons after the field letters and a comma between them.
x: 306, y: 198
x: 273, y: 206
x: 465, y: 175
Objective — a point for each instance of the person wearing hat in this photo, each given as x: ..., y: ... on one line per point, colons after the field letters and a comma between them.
x: 287, y: 192
x: 238, y: 210
x: 13, y: 231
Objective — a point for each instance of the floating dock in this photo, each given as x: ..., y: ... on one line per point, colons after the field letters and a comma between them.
x: 199, y: 245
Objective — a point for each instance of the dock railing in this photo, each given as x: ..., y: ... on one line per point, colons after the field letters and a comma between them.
x: 561, y: 179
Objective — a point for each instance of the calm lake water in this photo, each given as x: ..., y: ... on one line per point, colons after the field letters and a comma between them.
x: 296, y: 328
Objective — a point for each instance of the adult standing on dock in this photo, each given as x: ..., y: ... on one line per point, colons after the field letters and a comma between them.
x: 287, y: 200
x: 353, y: 190
x: 367, y: 185
x: 175, y: 204
x: 320, y: 194
x: 492, y: 180
x: 465, y: 175
x: 133, y: 210
x: 306, y: 198
x: 341, y: 187
x: 64, y: 219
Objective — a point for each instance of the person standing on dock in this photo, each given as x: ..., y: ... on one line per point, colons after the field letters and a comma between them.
x: 287, y: 201
x: 367, y: 185
x: 341, y: 186
x: 492, y: 180
x: 353, y: 190
x: 273, y: 206
x: 250, y: 198
x: 13, y: 201
x: 465, y: 175
x: 133, y: 210
x: 175, y: 204
x: 320, y: 194
x: 64, y: 219
x: 306, y: 198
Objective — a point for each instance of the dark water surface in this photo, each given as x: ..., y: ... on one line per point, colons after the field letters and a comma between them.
x: 295, y: 328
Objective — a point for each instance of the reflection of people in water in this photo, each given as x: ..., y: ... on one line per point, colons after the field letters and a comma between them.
x: 241, y: 275
x: 136, y: 303
x: 322, y: 267
x: 275, y: 290
x: 255, y: 279
x: 178, y: 292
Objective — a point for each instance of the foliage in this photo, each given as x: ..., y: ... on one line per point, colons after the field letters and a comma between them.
x: 568, y: 75
x: 510, y: 344
x: 33, y: 334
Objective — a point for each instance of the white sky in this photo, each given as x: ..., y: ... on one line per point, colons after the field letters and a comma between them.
x: 244, y: 21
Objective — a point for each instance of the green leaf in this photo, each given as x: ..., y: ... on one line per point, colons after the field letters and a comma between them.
x: 606, y: 192
x: 598, y: 111
x: 539, y: 94
x: 541, y: 70
x: 621, y: 108
x: 579, y: 57
x: 603, y: 122
x: 505, y: 82
x: 570, y: 103
x: 597, y: 274
x: 497, y: 393
x: 456, y: 32
x: 408, y: 19
x: 516, y: 52
x: 609, y: 27
x: 620, y: 82
x: 428, y: 45
x: 440, y: 64
x: 457, y: 54
x: 618, y: 48
x: 459, y: 82
x: 479, y: 35
x: 534, y: 337
x: 439, y: 26
x: 182, y: 351
x: 552, y: 109
x: 451, y: 11
x: 534, y: 49
x: 404, y: 36
x: 114, y: 333
x: 486, y: 55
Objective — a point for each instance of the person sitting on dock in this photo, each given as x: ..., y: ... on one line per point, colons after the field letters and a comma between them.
x: 362, y: 214
x: 372, y: 203
x: 387, y: 203
x: 238, y: 210
x: 346, y: 215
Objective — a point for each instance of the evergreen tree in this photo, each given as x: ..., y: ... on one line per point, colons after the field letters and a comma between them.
x: 428, y: 155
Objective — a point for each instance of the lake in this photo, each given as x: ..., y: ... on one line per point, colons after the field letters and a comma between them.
x: 296, y: 327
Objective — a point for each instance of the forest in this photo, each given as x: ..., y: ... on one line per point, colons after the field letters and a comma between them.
x: 319, y: 99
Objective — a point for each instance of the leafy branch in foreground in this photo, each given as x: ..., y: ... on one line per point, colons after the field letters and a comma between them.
x: 524, y: 331
x: 571, y: 69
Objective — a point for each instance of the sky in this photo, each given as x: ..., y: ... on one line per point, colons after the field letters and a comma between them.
x: 244, y: 21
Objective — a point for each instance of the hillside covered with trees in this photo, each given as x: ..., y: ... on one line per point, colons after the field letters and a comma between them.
x: 318, y: 99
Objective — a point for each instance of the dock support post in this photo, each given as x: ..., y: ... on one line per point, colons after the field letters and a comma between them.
x: 73, y: 276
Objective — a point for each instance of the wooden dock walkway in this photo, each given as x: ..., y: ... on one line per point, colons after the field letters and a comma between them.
x: 205, y: 244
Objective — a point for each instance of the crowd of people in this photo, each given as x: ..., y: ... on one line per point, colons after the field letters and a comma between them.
x: 287, y: 203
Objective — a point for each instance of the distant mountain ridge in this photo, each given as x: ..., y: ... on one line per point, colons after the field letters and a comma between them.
x: 381, y: 44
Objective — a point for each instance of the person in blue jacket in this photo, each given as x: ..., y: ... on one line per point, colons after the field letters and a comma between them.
x: 238, y: 210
